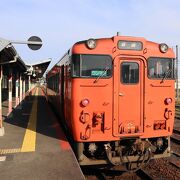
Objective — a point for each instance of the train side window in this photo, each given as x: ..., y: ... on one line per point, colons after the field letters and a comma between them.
x: 75, y: 66
x: 129, y: 73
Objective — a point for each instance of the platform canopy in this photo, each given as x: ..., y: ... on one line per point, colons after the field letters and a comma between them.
x: 10, y: 59
x: 38, y: 69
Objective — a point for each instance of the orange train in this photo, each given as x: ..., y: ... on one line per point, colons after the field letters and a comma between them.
x: 116, y: 96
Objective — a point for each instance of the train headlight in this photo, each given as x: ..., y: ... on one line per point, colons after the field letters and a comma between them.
x: 91, y: 43
x: 85, y: 102
x: 168, y: 101
x: 163, y: 47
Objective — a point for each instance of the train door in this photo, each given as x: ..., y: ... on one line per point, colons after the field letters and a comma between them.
x: 128, y: 97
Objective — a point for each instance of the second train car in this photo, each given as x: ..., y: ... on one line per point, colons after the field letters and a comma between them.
x: 116, y: 96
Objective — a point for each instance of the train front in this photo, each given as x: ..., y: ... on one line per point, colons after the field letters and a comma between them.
x: 122, y: 100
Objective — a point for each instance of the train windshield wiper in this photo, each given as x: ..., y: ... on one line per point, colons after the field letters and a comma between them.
x: 102, y: 74
x: 166, y: 74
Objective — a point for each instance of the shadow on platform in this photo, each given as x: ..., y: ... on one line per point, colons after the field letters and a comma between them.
x: 46, y: 124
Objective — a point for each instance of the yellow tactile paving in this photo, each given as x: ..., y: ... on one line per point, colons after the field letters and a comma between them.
x: 29, y: 142
x: 9, y: 151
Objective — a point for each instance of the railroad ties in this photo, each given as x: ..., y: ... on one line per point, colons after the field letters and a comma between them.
x: 116, y: 172
x: 175, y: 139
x: 175, y: 159
x: 177, y: 107
x: 176, y: 136
x: 176, y: 131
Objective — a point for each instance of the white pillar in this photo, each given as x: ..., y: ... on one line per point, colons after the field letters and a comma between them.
x: 1, y: 120
x: 29, y: 83
x: 20, y: 90
x: 1, y: 76
x: 24, y: 86
x: 17, y: 89
x: 10, y: 91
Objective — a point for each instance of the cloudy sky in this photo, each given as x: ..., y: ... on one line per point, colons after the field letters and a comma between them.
x: 60, y: 23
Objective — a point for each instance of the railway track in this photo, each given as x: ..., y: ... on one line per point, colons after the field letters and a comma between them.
x: 117, y: 173
x: 176, y: 132
x: 175, y: 138
x: 175, y: 160
x: 143, y: 174
x: 167, y: 168
x: 177, y: 111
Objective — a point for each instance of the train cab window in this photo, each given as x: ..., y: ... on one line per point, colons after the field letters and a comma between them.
x: 129, y: 73
x: 91, y: 66
x: 159, y: 68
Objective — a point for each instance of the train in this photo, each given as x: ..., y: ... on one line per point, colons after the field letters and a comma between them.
x: 116, y: 98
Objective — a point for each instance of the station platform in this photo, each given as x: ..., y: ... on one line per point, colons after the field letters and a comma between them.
x: 34, y: 145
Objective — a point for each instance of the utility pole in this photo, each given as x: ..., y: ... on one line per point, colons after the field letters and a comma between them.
x: 177, y: 88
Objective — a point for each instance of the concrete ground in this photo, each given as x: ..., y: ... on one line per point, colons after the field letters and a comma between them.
x: 34, y: 145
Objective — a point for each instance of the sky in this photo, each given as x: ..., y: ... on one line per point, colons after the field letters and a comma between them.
x: 61, y: 23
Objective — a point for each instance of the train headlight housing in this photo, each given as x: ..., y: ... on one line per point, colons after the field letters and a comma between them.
x: 91, y: 43
x: 85, y: 102
x: 163, y: 47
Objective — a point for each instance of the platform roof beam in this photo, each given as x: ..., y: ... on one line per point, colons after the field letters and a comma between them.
x: 4, y: 43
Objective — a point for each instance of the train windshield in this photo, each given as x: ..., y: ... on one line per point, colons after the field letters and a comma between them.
x: 91, y: 66
x: 160, y: 68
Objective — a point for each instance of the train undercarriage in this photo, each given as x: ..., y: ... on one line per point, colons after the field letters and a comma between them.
x: 133, y: 153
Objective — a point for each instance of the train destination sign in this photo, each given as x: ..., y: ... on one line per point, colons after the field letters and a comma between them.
x: 98, y: 73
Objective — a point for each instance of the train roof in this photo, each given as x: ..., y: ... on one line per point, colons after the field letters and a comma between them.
x: 109, y: 46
